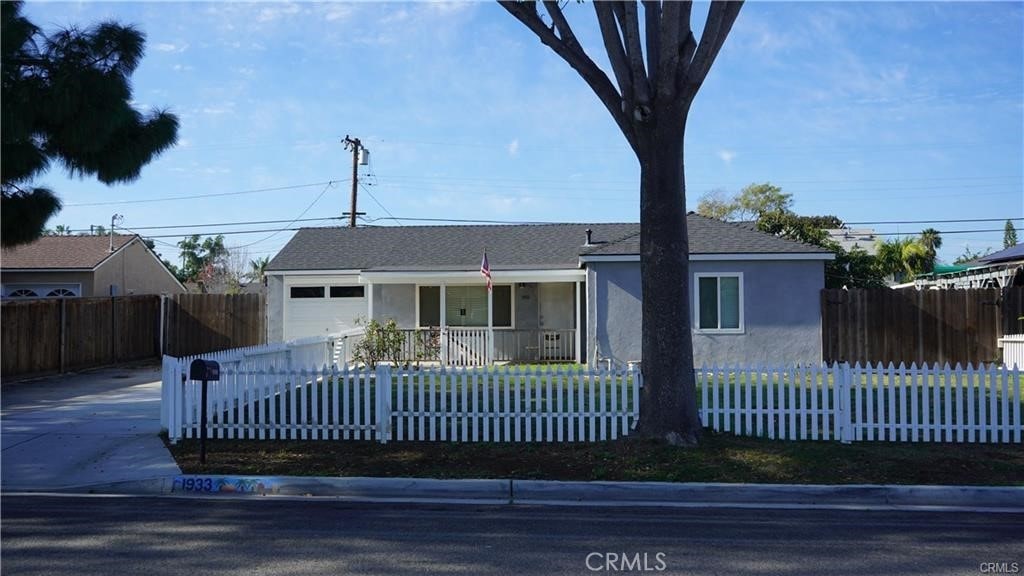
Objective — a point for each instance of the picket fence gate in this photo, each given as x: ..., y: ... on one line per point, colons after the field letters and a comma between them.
x: 870, y: 403
x: 558, y: 404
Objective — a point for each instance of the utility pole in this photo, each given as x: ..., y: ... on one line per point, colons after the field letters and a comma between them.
x: 359, y: 156
x: 114, y: 220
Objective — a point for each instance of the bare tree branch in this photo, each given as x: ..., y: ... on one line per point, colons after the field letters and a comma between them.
x: 629, y: 22
x: 562, y: 26
x: 721, y: 16
x: 670, y: 33
x: 616, y: 52
x: 526, y: 13
x: 652, y: 29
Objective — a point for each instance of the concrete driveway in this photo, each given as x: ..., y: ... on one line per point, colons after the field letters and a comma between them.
x: 82, y: 429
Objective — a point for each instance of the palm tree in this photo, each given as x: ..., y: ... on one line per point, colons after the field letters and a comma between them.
x: 902, y: 258
x: 257, y: 269
x: 932, y: 241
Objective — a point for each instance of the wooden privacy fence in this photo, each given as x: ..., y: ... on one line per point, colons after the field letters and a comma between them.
x: 853, y: 404
x: 201, y: 323
x: 41, y: 336
x: 391, y: 404
x: 62, y: 334
x: 922, y: 326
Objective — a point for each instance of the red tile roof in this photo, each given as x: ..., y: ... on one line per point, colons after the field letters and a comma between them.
x: 61, y: 252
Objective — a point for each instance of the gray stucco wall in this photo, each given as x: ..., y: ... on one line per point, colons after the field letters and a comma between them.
x: 275, y: 308
x: 782, y: 318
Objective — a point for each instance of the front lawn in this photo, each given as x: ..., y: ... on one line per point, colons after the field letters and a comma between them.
x: 719, y: 458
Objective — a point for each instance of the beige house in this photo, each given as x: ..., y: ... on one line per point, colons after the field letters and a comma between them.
x: 69, y: 266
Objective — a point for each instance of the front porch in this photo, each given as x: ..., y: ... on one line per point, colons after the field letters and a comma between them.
x: 476, y: 347
x: 452, y: 318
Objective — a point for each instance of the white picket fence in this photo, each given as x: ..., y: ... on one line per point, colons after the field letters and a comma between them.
x: 314, y: 351
x: 559, y: 404
x: 873, y: 403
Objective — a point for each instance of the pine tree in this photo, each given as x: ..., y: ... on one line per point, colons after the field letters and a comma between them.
x: 1009, y: 234
x: 66, y: 100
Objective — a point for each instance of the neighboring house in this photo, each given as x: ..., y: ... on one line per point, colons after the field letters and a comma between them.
x: 69, y: 266
x: 997, y: 270
x: 561, y: 291
x: 849, y: 239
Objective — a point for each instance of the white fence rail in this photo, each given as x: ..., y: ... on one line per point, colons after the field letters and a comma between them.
x: 432, y: 404
x: 840, y: 402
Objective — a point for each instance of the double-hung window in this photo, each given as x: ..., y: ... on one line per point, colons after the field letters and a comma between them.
x: 465, y: 306
x: 718, y: 302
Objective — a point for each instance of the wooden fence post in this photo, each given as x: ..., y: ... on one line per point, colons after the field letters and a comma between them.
x: 63, y: 334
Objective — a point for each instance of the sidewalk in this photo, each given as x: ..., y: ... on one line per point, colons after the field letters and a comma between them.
x: 81, y: 429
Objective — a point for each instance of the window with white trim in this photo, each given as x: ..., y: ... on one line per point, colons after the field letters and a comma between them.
x: 718, y: 302
x: 465, y: 306
x: 23, y: 293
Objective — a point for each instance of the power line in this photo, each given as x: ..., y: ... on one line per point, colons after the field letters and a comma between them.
x: 935, y: 221
x: 311, y: 204
x: 940, y: 232
x: 239, y: 223
x: 374, y: 198
x: 194, y: 196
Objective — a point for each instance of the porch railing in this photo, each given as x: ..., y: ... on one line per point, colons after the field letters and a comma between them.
x: 470, y: 346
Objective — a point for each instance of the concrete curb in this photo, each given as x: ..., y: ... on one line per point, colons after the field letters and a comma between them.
x: 776, y: 495
x: 556, y: 493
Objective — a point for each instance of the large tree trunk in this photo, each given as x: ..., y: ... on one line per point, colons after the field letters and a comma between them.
x: 668, y: 400
x: 650, y: 106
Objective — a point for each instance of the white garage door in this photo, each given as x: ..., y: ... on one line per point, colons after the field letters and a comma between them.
x: 312, y: 310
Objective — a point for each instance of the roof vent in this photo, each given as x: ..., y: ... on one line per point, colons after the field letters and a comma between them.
x: 589, y: 232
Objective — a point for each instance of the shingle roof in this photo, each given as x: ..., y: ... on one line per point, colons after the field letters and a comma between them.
x: 61, y: 252
x: 710, y: 236
x: 509, y: 247
x: 1010, y: 254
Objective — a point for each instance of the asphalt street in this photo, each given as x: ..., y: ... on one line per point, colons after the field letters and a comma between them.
x: 82, y: 535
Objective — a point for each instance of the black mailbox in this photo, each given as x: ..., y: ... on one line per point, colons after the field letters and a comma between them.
x: 204, y: 370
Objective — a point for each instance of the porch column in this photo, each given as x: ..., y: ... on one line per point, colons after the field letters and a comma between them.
x: 444, y: 326
x: 490, y: 326
x: 576, y: 314
x: 369, y: 302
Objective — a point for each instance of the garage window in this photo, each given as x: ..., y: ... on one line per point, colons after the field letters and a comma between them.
x: 346, y: 291
x: 307, y: 292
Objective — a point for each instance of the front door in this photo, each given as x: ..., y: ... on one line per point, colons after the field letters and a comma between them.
x: 557, y: 321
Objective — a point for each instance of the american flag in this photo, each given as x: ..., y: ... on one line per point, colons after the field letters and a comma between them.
x: 485, y: 269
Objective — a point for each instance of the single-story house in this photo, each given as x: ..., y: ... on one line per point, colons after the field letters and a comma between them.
x: 561, y: 291
x: 70, y: 266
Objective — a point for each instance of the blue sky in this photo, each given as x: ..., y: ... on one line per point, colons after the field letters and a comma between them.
x: 869, y: 111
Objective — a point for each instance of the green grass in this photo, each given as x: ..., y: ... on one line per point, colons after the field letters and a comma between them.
x: 718, y: 458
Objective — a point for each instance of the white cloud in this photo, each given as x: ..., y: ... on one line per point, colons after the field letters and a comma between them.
x: 513, y: 147
x: 334, y: 12
x: 276, y: 12
x: 449, y: 7
x: 168, y: 47
x: 726, y: 155
x: 181, y: 68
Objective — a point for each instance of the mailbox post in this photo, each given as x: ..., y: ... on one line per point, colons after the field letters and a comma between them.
x: 204, y: 371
